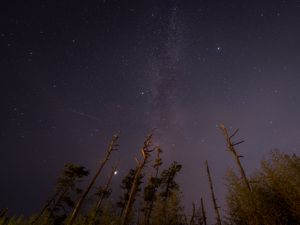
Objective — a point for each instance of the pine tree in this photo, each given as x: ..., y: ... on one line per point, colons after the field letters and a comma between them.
x: 66, y: 184
x: 126, y: 185
x: 167, y: 207
x: 151, y: 188
x: 275, y: 193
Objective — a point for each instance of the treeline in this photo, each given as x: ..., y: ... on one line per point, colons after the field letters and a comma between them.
x: 150, y: 195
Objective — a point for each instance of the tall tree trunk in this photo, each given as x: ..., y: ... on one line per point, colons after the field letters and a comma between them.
x: 216, y: 208
x: 230, y: 147
x: 132, y: 193
x: 193, y: 214
x: 158, y: 163
x: 203, y: 213
x: 112, y: 146
x: 145, y: 153
x: 108, y: 183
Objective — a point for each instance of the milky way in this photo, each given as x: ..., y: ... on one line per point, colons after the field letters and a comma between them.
x: 73, y: 74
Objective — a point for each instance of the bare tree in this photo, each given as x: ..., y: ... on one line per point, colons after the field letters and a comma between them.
x: 203, y: 213
x: 112, y: 147
x: 231, y: 148
x: 216, y: 208
x: 145, y: 151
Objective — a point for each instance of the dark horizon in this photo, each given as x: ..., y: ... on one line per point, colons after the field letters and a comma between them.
x: 73, y: 73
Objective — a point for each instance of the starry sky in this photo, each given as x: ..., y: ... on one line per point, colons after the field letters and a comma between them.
x: 74, y: 72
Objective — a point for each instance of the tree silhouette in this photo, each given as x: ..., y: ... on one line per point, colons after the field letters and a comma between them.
x: 275, y: 193
x: 145, y: 151
x: 113, y: 146
x: 67, y: 181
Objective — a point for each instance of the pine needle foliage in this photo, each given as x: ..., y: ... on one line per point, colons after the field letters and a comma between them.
x: 275, y: 195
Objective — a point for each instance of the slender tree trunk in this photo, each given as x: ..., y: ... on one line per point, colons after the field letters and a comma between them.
x: 145, y: 153
x: 203, y: 213
x: 230, y: 147
x: 99, y: 203
x: 193, y: 215
x: 165, y: 198
x: 158, y: 163
x: 216, y: 208
x: 132, y: 194
x: 112, y: 146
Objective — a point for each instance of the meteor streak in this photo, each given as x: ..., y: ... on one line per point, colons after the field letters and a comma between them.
x: 91, y: 117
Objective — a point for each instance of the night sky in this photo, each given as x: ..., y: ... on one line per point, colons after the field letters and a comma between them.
x: 74, y: 72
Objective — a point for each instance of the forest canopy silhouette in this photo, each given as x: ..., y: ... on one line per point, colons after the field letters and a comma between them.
x: 150, y: 195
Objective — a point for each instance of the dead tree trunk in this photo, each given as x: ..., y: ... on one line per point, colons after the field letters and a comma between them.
x: 156, y: 166
x: 218, y: 218
x: 140, y: 166
x: 203, y: 213
x: 230, y: 148
x: 193, y: 214
x: 106, y: 188
x: 112, y: 146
